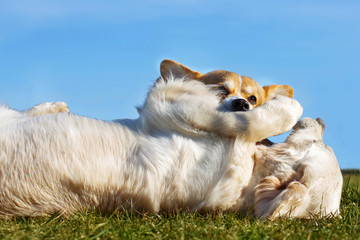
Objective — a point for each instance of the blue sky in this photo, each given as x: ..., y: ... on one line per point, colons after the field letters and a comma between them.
x: 101, y: 57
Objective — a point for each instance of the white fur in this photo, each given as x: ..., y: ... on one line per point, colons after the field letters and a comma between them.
x: 9, y: 116
x: 249, y: 90
x: 230, y: 84
x: 183, y: 152
x: 299, y: 177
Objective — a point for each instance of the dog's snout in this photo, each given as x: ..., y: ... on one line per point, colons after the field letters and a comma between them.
x: 240, y: 105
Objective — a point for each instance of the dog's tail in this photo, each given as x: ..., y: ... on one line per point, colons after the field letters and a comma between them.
x: 275, y: 199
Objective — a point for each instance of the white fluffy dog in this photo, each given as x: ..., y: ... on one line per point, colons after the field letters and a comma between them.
x: 183, y: 152
x: 297, y: 178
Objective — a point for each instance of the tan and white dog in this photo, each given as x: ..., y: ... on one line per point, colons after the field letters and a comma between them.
x: 187, y: 150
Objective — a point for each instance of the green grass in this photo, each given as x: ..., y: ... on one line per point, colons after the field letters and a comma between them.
x: 351, y: 179
x: 92, y: 225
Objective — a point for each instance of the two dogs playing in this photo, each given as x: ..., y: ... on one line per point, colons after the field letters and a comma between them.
x: 197, y: 145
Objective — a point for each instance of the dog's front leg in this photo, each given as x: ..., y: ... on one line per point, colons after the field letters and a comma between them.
x: 275, y: 117
x: 195, y: 110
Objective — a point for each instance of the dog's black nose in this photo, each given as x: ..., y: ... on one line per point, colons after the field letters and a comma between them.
x: 240, y: 105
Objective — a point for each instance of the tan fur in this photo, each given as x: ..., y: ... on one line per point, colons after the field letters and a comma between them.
x: 273, y: 90
x: 47, y: 108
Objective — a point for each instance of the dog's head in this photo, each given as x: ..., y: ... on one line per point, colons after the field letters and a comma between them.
x: 238, y: 93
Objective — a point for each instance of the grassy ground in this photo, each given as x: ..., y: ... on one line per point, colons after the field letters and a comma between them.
x: 353, y: 180
x: 92, y: 225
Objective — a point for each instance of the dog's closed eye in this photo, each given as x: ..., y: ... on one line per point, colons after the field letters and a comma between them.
x: 222, y: 91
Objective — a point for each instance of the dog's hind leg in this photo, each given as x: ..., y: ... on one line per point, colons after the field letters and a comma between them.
x: 273, y: 199
x: 47, y: 108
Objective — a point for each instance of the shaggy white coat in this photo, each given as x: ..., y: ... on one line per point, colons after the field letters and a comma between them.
x: 183, y: 152
x: 298, y: 178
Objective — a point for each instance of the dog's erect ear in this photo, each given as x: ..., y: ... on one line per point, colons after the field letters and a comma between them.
x: 170, y: 68
x: 271, y: 91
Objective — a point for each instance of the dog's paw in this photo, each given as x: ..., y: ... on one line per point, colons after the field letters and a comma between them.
x: 290, y: 104
x: 57, y: 107
x: 47, y: 108
x: 288, y: 109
